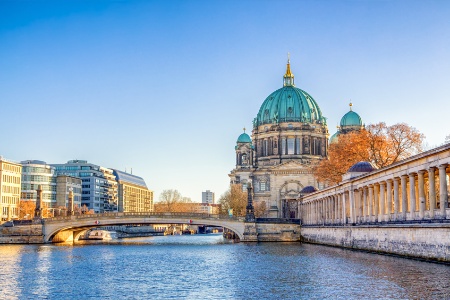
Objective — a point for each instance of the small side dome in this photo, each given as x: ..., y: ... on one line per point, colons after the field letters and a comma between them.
x: 362, y: 167
x: 244, y: 138
x: 308, y: 189
x: 334, y: 137
x: 351, y: 119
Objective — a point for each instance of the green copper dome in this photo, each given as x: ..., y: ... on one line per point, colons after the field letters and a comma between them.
x: 289, y: 104
x: 351, y: 119
x: 334, y: 137
x: 244, y: 138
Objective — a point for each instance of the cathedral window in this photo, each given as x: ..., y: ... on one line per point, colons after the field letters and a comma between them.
x: 244, y: 187
x: 244, y: 159
x: 290, y: 144
x: 297, y: 146
x: 283, y: 146
x: 262, y: 186
x: 265, y: 148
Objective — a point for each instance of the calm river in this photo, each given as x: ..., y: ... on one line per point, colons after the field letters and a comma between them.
x: 207, y: 267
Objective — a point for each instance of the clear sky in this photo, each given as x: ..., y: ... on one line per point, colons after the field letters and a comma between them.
x: 165, y: 87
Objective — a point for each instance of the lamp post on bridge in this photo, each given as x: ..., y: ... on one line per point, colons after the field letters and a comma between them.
x: 250, y: 211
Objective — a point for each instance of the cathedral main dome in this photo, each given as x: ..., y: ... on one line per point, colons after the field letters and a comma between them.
x: 289, y: 104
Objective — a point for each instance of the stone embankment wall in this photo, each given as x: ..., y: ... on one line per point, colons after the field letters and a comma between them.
x: 24, y: 234
x: 426, y: 241
x: 260, y: 232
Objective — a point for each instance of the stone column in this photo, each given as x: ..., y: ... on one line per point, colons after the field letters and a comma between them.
x: 421, y: 183
x: 382, y: 201
x: 388, y: 199
x: 351, y: 195
x: 432, y: 191
x: 370, y: 203
x: 361, y: 205
x: 339, y: 205
x: 376, y: 201
x: 336, y: 209
x: 412, y: 195
x: 443, y: 193
x: 396, y: 198
x: 39, y: 203
x: 344, y: 209
x: 365, y: 205
x: 404, y: 196
x: 70, y: 204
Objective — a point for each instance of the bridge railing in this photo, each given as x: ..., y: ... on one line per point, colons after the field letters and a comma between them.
x: 165, y: 215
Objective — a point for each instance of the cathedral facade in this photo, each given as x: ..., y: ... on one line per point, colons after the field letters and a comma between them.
x: 289, y: 134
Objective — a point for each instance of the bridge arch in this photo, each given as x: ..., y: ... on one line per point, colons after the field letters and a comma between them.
x: 67, y: 228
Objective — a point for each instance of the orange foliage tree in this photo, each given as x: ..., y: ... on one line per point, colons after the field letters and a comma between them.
x: 234, y: 198
x: 379, y: 144
x: 26, y: 209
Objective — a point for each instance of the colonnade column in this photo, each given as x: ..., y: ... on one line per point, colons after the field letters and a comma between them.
x: 396, y: 199
x: 388, y: 199
x: 432, y: 191
x: 336, y: 219
x: 404, y: 196
x: 443, y: 196
x: 344, y: 209
x: 376, y: 202
x: 351, y: 195
x: 360, y: 204
x: 421, y: 184
x: 412, y: 196
x: 339, y: 205
x: 382, y: 200
x: 370, y: 203
x: 365, y: 205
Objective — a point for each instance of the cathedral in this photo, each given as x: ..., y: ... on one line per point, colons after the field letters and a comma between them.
x: 289, y: 135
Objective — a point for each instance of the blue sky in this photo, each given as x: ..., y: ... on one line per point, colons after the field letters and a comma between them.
x: 165, y: 87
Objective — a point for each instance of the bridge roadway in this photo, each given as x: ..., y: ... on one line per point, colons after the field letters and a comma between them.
x: 66, y: 229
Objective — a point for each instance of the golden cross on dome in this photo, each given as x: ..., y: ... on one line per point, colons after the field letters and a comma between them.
x: 244, y: 129
x: 350, y: 105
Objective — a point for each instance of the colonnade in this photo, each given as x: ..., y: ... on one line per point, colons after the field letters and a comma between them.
x: 415, y: 194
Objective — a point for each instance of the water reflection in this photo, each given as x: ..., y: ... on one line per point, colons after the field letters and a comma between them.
x: 207, y: 267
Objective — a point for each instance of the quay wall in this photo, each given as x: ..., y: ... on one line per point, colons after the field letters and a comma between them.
x: 24, y: 234
x: 265, y: 232
x: 424, y: 241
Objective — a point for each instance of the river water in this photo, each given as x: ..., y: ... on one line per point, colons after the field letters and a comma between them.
x: 209, y: 267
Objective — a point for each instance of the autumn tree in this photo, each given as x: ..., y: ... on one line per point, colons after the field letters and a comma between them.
x: 379, y: 144
x: 26, y: 209
x: 172, y: 201
x: 349, y: 149
x: 234, y: 198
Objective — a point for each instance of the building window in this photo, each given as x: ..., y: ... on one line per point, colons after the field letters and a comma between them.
x: 290, y: 143
x: 297, y: 146
x: 283, y: 146
x: 262, y: 186
x: 244, y: 187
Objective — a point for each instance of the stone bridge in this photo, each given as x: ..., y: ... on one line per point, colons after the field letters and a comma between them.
x: 69, y: 229
x: 66, y: 229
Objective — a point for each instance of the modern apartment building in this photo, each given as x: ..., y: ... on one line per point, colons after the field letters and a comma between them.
x: 98, y: 184
x: 65, y: 184
x: 134, y: 196
x: 35, y: 173
x: 10, y: 180
x: 208, y: 197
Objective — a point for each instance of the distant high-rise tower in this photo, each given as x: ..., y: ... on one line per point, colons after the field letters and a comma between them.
x: 208, y: 197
